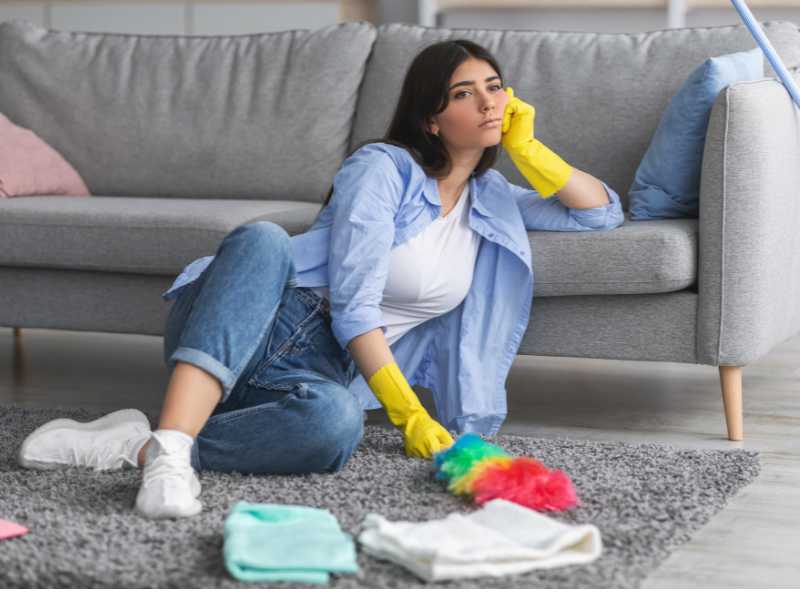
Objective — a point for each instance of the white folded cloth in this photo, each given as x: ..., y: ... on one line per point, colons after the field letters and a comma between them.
x: 501, y: 538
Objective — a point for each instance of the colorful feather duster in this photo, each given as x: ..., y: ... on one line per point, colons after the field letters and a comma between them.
x: 485, y: 471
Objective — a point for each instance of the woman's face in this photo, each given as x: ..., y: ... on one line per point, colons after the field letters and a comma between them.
x: 470, y: 104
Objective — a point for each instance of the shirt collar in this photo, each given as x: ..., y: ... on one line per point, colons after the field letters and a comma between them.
x: 476, y: 186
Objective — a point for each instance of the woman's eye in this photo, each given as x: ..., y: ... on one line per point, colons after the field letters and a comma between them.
x: 495, y: 87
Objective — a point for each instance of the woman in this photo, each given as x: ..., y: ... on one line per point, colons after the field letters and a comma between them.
x: 265, y: 337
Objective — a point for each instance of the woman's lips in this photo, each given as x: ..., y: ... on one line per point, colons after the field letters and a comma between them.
x: 493, y: 123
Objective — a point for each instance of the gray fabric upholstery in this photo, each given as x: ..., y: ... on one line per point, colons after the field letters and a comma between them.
x: 639, y: 257
x: 658, y: 327
x: 84, y: 300
x: 130, y: 234
x: 749, y: 217
x: 598, y: 96
x: 189, y: 116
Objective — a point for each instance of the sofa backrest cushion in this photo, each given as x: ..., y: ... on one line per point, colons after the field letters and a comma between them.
x: 231, y: 116
x: 598, y: 96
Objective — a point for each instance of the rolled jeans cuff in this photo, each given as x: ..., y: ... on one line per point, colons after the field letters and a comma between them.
x: 211, y: 365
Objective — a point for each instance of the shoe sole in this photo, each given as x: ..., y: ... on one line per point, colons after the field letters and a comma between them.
x: 124, y: 415
x: 169, y: 515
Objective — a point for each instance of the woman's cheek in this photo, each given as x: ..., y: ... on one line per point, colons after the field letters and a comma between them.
x: 501, y: 106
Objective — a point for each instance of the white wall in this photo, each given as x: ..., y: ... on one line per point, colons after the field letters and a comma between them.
x: 602, y: 20
x: 226, y: 17
x: 178, y: 17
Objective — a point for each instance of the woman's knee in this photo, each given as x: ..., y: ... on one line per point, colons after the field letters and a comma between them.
x: 339, y: 425
x: 260, y: 247
x: 262, y: 233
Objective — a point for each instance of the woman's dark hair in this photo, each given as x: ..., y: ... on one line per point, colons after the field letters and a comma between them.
x: 424, y: 94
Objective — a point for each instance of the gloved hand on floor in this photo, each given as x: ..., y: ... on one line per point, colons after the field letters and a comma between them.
x: 423, y: 436
x: 544, y: 169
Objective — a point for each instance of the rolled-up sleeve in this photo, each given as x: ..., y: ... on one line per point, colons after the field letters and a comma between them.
x: 190, y: 272
x: 366, y: 195
x: 550, y: 214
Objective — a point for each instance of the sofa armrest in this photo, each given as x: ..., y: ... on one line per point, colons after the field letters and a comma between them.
x: 749, y: 218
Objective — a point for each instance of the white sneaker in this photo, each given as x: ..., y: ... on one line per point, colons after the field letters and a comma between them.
x: 170, y: 486
x: 110, y: 442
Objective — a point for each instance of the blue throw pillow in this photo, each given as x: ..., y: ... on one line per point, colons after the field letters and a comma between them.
x: 667, y: 182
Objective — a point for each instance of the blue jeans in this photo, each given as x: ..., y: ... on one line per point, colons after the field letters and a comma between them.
x: 285, y: 406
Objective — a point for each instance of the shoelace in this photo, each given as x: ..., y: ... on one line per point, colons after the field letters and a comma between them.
x: 101, y: 456
x: 95, y: 458
x: 166, y: 465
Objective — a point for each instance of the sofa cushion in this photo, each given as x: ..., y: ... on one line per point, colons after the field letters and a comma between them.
x: 160, y: 236
x: 639, y: 257
x: 667, y: 181
x: 128, y: 234
x: 230, y: 116
x: 598, y: 96
x: 29, y: 166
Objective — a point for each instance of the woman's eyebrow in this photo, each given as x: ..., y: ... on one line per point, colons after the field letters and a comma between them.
x: 471, y: 82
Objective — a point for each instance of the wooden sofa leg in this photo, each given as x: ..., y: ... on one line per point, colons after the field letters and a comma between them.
x: 731, y: 381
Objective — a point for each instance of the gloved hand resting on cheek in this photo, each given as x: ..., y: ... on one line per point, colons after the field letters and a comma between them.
x: 544, y: 169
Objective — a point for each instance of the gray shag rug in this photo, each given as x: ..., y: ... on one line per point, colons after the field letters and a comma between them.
x: 646, y: 500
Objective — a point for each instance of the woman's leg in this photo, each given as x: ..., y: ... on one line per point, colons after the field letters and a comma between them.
x: 217, y: 329
x: 295, y: 413
x: 189, y: 387
x: 220, y: 323
x: 312, y: 427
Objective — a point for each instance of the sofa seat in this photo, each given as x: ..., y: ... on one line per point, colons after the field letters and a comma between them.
x: 639, y: 257
x: 159, y: 236
x: 151, y: 236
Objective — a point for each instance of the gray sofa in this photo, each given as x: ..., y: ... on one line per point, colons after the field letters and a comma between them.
x: 181, y: 139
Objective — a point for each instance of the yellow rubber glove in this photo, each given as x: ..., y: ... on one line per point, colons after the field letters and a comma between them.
x: 423, y: 436
x: 544, y: 169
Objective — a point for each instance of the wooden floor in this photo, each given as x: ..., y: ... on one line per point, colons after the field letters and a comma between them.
x: 754, y: 542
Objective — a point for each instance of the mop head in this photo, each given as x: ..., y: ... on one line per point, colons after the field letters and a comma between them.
x: 485, y: 471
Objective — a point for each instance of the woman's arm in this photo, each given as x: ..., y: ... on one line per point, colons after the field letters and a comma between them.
x: 370, y: 352
x: 583, y: 191
x: 553, y: 214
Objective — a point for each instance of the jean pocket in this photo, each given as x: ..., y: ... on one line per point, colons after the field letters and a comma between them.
x: 283, y: 382
x: 291, y: 347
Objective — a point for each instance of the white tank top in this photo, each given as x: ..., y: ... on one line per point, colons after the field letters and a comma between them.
x: 430, y: 274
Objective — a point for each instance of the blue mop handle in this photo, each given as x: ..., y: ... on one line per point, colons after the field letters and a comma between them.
x: 767, y: 48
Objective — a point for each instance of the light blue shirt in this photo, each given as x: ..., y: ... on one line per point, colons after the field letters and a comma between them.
x: 382, y: 198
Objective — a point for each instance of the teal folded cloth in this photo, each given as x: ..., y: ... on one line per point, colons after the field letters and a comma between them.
x: 271, y: 542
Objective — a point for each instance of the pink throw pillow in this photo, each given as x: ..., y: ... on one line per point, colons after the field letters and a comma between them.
x: 31, y: 167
